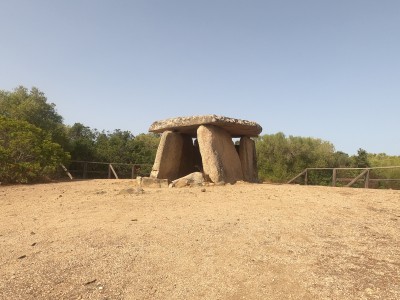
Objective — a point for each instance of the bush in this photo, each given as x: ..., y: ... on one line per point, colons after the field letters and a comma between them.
x: 281, y: 158
x: 27, y: 153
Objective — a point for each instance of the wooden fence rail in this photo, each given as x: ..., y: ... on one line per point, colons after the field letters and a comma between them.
x: 111, y: 169
x: 363, y: 176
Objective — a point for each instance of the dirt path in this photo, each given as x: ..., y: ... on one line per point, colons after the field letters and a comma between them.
x: 102, y: 239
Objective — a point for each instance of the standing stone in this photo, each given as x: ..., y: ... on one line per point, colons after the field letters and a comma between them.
x: 248, y: 159
x: 220, y: 159
x: 168, y: 157
x: 175, y: 156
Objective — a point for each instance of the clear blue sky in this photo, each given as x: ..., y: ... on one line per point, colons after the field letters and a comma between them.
x: 319, y: 68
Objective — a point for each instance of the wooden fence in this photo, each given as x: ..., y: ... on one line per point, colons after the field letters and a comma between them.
x: 364, y: 176
x: 91, y: 170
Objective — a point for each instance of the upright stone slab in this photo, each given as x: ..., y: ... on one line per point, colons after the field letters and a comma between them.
x: 175, y: 156
x: 220, y: 159
x: 168, y: 157
x: 248, y: 159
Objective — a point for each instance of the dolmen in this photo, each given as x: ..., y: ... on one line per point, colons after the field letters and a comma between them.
x: 203, y: 144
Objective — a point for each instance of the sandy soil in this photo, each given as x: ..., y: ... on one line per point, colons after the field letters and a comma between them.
x: 103, y: 239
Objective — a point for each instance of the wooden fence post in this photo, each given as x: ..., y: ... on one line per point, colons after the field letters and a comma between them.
x: 66, y: 171
x: 85, y: 169
x: 306, y: 177
x: 297, y: 176
x: 133, y: 172
x: 111, y: 169
x: 334, y: 176
x: 366, y: 185
x: 357, y: 178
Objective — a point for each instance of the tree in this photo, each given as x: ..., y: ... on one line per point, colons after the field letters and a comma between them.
x: 342, y: 160
x: 145, y: 148
x: 272, y: 155
x: 32, y: 107
x: 82, y: 142
x: 27, y: 153
x: 115, y: 147
x: 281, y: 157
x: 384, y: 160
x: 361, y: 159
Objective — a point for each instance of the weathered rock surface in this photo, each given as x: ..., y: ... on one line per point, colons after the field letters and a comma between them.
x: 220, y: 159
x: 248, y: 159
x: 175, y: 156
x: 168, y: 157
x: 152, y: 182
x: 212, y: 153
x: 189, y: 125
x: 193, y: 179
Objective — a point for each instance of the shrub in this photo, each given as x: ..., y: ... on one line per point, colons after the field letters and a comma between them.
x: 27, y: 153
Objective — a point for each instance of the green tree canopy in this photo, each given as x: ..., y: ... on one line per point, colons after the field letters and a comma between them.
x: 116, y: 146
x: 281, y: 157
x: 145, y: 148
x: 82, y: 142
x: 32, y: 107
x: 361, y: 159
x: 27, y: 153
x: 342, y: 160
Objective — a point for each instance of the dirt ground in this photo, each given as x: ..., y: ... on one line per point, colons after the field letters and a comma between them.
x: 105, y: 239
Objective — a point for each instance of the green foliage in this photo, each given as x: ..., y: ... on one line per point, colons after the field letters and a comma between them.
x: 32, y: 107
x: 281, y: 157
x: 27, y: 153
x: 119, y: 146
x: 342, y: 160
x: 145, y: 148
x: 34, y: 140
x: 384, y: 160
x: 82, y: 142
x: 361, y: 159
x: 115, y: 147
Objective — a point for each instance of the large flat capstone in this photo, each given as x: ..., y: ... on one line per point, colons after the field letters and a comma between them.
x: 189, y: 125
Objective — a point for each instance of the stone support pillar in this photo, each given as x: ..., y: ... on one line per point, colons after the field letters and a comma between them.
x: 220, y: 159
x: 174, y: 158
x: 248, y: 159
x: 168, y: 157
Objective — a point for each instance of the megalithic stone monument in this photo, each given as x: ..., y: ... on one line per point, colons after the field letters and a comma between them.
x: 204, y: 143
